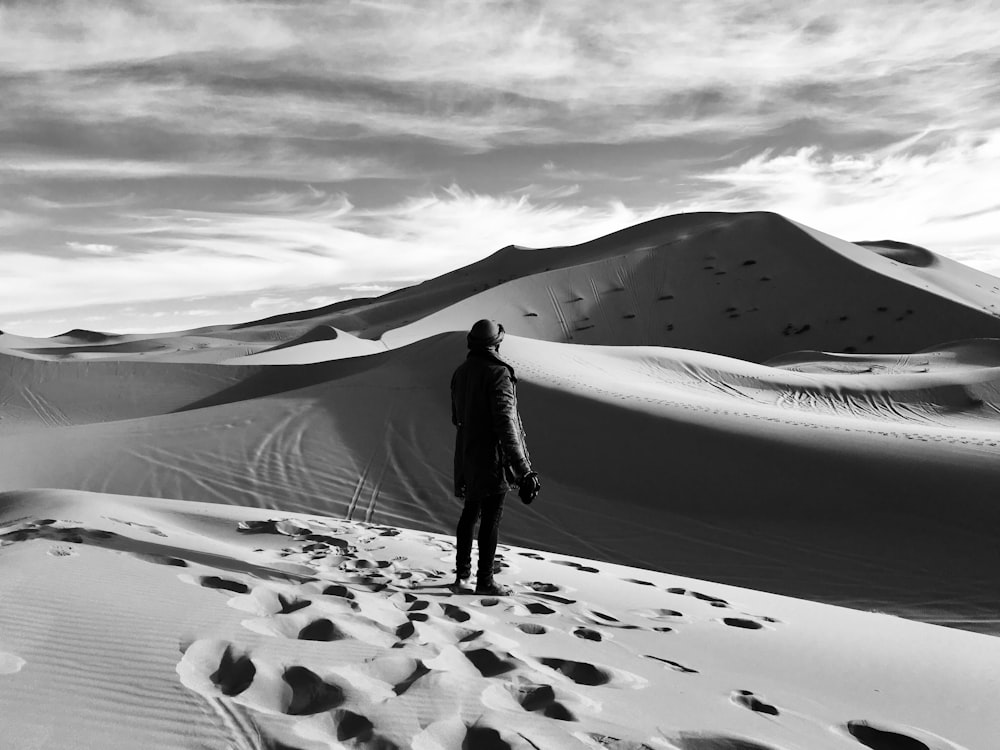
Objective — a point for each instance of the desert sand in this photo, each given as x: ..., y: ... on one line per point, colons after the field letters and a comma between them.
x: 770, y: 468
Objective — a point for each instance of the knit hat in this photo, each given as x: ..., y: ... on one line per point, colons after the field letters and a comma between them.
x: 485, y: 334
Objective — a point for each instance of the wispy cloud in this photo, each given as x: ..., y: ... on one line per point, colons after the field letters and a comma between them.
x: 275, y: 163
x: 934, y: 190
x: 547, y: 191
x: 91, y: 248
x: 482, y: 74
x: 310, y: 240
x: 257, y: 146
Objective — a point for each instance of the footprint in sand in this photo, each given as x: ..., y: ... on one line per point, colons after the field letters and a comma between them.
x: 658, y: 613
x: 47, y: 529
x: 747, y: 699
x: 455, y: 613
x: 548, y: 588
x: 887, y: 737
x: 582, y: 673
x: 218, y: 667
x: 485, y: 738
x: 677, y: 667
x: 742, y: 622
x: 158, y: 559
x: 311, y: 694
x: 145, y: 526
x: 543, y: 699
x: 224, y: 584
x: 532, y: 628
x: 321, y: 630
x: 699, y: 741
x: 588, y: 634
x: 305, y: 625
x: 712, y: 600
x: 235, y: 673
x: 608, y: 621
x: 492, y: 663
x: 338, y: 590
x: 586, y: 673
x: 352, y: 726
x: 10, y: 663
x: 554, y: 598
x: 287, y: 527
x: 577, y: 566
x: 59, y: 551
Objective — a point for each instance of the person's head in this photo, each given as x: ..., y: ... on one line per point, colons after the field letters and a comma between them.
x: 485, y: 334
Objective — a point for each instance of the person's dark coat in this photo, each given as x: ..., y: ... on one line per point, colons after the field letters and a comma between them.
x: 490, y: 452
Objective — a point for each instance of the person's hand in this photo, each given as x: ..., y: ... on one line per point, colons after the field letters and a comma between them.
x: 529, y: 487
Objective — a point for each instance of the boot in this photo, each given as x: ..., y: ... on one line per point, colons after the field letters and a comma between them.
x: 490, y: 587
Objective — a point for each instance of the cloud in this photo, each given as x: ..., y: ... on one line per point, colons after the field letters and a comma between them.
x: 122, y: 31
x: 12, y: 222
x: 276, y: 163
x: 91, y: 248
x: 551, y: 192
x: 935, y: 190
x: 359, y: 289
x: 309, y: 240
x: 479, y: 75
x: 201, y: 140
x: 267, y: 302
x: 322, y: 301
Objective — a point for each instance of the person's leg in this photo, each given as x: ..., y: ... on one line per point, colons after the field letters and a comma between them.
x: 489, y: 533
x: 463, y: 538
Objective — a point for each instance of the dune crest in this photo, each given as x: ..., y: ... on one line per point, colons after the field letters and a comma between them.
x: 902, y: 252
x: 247, y: 543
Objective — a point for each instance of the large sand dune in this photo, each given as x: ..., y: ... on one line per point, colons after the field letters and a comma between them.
x: 734, y: 398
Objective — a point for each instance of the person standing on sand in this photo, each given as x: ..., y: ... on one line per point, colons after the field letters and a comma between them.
x: 491, y: 457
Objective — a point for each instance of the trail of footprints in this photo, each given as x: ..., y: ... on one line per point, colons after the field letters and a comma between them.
x: 420, y: 646
x: 373, y: 601
x: 416, y: 639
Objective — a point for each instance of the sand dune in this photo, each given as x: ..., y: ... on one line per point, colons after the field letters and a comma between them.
x: 308, y: 632
x: 751, y: 286
x: 736, y: 399
x: 319, y: 344
x: 728, y: 459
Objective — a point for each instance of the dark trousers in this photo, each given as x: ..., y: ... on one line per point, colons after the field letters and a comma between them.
x: 488, y: 510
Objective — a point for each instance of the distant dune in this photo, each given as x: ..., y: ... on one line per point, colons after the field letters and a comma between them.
x: 732, y: 398
x: 902, y: 252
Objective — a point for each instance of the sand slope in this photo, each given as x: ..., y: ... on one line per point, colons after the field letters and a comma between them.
x: 249, y: 532
x: 817, y: 472
x: 788, y: 479
x: 306, y: 632
x: 751, y: 286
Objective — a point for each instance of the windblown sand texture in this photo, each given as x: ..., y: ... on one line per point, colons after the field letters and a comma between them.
x: 158, y: 623
x: 247, y: 540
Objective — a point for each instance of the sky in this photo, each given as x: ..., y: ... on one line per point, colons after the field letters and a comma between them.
x: 169, y: 165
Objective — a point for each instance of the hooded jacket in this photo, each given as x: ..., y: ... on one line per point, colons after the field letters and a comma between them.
x: 490, y: 452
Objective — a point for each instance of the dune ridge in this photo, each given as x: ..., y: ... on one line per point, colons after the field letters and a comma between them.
x: 368, y: 438
x: 752, y: 286
x: 739, y: 421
